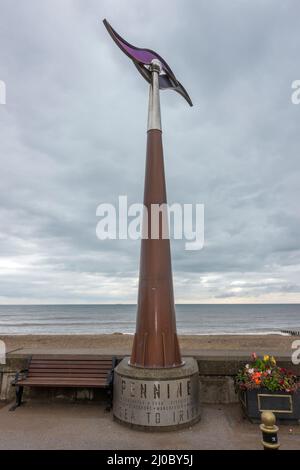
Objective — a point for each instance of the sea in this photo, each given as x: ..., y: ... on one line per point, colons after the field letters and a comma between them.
x: 197, y: 319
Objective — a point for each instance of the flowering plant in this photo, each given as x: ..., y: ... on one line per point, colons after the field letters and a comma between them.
x: 265, y: 373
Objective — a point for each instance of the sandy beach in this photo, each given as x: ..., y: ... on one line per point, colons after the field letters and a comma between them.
x: 119, y: 343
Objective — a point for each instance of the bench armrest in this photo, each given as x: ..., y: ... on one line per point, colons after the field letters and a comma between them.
x: 110, y: 378
x: 21, y: 374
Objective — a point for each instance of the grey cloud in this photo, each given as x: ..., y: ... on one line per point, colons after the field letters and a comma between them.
x: 72, y: 135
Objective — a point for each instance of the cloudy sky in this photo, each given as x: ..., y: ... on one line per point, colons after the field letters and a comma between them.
x: 72, y: 135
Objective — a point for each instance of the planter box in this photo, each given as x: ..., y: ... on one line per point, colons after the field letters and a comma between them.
x: 285, y: 406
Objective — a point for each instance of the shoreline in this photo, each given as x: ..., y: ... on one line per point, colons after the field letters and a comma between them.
x: 120, y: 343
x: 230, y: 333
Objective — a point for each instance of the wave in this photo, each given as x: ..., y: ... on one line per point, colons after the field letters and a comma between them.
x: 191, y: 319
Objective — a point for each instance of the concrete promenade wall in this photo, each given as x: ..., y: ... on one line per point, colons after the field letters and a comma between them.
x: 216, y: 372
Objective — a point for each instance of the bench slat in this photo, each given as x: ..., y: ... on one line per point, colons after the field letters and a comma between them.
x: 75, y: 363
x: 55, y: 384
x: 66, y: 366
x: 61, y: 376
x: 61, y: 370
x: 76, y: 357
x: 69, y: 371
x: 62, y: 379
x: 94, y: 369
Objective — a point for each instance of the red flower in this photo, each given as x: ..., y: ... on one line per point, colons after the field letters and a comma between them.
x: 256, y: 377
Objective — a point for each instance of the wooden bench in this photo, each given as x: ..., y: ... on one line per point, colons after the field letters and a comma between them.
x: 70, y: 371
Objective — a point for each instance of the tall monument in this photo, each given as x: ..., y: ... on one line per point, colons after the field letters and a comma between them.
x: 155, y: 387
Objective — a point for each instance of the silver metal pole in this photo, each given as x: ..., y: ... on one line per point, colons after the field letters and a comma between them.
x: 154, y: 116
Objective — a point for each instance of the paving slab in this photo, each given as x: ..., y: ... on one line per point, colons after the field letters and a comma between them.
x: 43, y: 425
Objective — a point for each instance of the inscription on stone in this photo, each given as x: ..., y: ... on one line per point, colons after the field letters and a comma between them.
x: 156, y: 403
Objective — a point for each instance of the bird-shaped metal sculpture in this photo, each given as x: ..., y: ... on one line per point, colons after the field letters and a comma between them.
x: 142, y: 59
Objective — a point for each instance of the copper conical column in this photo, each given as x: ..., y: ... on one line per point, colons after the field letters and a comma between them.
x: 155, y: 341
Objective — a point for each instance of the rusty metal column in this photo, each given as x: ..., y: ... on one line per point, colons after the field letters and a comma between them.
x: 155, y: 342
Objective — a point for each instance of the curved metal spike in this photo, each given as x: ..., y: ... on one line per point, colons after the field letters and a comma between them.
x: 142, y: 59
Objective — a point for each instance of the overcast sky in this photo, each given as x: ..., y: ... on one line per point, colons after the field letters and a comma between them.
x: 73, y: 134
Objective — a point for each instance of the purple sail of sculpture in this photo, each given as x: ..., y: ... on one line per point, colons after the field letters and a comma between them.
x: 142, y: 59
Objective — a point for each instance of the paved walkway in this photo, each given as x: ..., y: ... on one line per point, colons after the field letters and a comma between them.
x: 38, y: 425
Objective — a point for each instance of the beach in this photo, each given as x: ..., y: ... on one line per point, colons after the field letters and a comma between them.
x: 119, y: 343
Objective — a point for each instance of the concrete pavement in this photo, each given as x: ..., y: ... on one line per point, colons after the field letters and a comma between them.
x: 44, y: 425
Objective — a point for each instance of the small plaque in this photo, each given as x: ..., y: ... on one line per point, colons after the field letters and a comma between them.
x: 277, y: 403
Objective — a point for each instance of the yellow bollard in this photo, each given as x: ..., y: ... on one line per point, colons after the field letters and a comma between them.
x: 269, y: 431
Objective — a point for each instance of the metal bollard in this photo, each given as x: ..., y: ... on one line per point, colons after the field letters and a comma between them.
x: 269, y: 431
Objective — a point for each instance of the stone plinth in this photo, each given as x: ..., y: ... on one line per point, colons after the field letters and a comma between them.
x: 157, y: 399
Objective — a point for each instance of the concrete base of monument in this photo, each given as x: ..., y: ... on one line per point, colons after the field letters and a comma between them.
x: 157, y: 399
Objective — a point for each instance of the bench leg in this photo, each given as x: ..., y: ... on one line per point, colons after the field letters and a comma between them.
x: 110, y: 391
x: 19, y: 394
x: 109, y: 399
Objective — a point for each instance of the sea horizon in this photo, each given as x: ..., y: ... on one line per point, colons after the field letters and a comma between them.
x: 192, y: 319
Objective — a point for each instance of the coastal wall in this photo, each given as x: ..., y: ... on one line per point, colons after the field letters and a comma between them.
x: 216, y: 373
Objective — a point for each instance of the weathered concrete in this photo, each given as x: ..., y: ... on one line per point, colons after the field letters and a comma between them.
x: 157, y: 399
x: 217, y: 389
x: 189, y: 368
x: 87, y: 426
x: 14, y: 363
x: 227, y: 362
